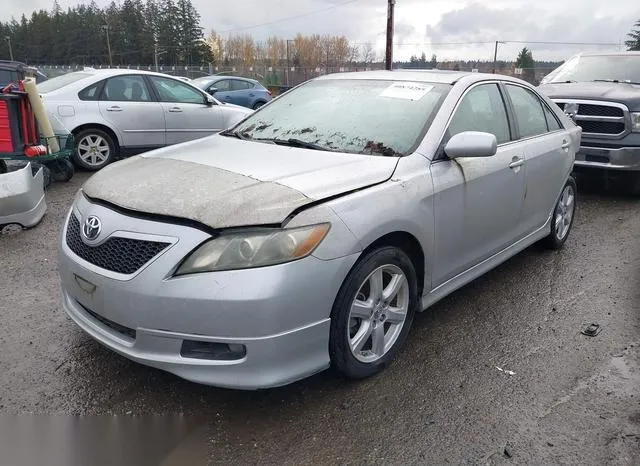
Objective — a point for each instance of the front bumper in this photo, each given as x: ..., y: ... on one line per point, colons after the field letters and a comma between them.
x: 280, y: 314
x: 621, y: 159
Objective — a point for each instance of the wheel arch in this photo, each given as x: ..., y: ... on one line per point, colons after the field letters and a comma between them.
x: 101, y: 127
x: 410, y: 245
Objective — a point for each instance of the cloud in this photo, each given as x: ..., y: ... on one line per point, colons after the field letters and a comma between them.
x: 419, y: 23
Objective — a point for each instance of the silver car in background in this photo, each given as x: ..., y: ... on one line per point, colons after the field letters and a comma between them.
x: 123, y: 112
x: 310, y: 234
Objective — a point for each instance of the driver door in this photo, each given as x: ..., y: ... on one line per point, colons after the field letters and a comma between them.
x: 477, y: 200
x: 188, y: 115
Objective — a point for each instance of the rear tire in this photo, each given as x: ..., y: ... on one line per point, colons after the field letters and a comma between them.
x: 257, y: 105
x: 94, y: 149
x: 3, y: 167
x: 563, y: 216
x: 366, y: 308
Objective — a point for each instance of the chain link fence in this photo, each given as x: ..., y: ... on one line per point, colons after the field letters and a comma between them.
x: 279, y: 78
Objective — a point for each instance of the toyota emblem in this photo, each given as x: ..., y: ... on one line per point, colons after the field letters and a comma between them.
x: 91, y: 228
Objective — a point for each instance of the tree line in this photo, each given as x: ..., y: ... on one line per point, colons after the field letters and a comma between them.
x: 121, y: 33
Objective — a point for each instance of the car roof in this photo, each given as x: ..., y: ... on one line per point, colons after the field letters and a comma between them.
x: 218, y: 77
x: 427, y: 76
x: 608, y: 54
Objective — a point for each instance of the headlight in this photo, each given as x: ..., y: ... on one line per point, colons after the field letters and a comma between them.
x: 635, y: 122
x: 257, y: 248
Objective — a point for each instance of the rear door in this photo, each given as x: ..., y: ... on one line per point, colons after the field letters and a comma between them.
x: 187, y: 113
x: 547, y: 149
x: 477, y: 201
x: 241, y: 92
x: 127, y: 104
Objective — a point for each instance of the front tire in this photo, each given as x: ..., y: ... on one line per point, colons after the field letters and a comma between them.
x: 373, y: 313
x: 94, y: 149
x: 563, y: 216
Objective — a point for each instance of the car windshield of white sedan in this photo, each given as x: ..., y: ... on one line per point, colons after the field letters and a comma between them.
x: 348, y: 115
x: 607, y: 68
x: 59, y: 82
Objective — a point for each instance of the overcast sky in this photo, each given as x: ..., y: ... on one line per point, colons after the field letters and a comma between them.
x: 432, y: 26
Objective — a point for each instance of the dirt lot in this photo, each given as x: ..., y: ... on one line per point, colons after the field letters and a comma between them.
x: 572, y: 400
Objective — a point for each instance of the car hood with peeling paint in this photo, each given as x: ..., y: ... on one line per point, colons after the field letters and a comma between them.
x: 224, y: 182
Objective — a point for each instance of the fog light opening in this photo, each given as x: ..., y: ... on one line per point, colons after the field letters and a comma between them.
x: 212, y: 351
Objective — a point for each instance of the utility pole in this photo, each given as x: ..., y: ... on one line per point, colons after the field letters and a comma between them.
x: 495, y: 56
x: 389, y: 56
x: 106, y: 28
x: 10, y: 49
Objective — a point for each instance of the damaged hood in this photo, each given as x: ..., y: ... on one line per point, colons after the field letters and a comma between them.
x: 224, y: 182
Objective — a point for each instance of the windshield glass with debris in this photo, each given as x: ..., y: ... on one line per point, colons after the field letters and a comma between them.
x: 355, y: 116
x: 611, y: 68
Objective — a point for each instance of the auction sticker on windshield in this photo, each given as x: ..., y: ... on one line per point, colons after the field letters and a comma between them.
x: 406, y: 90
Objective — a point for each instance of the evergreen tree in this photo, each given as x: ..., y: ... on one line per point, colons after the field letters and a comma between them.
x: 634, y: 38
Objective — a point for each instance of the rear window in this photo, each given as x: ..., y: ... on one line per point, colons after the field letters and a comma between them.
x: 59, y: 82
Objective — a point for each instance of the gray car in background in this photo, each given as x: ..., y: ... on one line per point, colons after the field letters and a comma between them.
x: 310, y: 233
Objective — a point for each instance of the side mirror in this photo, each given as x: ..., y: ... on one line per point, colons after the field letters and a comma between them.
x: 471, y: 144
x: 213, y: 90
x: 210, y: 100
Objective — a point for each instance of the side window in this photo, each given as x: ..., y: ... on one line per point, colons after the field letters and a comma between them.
x: 237, y: 85
x: 130, y: 88
x: 222, y: 86
x: 482, y: 109
x: 528, y: 111
x: 552, y: 121
x: 174, y: 91
x: 90, y: 93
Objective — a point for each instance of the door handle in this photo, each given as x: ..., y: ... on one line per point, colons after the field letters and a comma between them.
x: 175, y: 110
x: 517, y: 162
x: 114, y: 109
x: 566, y: 144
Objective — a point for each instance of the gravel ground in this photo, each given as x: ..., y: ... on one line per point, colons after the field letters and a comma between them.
x: 572, y: 400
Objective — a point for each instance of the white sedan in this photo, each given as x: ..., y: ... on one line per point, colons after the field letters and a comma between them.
x: 124, y: 112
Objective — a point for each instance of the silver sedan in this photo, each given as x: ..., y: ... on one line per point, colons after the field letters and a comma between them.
x: 309, y: 235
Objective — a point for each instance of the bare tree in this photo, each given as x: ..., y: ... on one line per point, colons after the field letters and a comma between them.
x: 368, y: 53
x: 276, y: 50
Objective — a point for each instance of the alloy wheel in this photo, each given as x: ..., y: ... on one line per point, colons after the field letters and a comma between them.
x: 93, y: 150
x: 378, y: 313
x: 564, y: 212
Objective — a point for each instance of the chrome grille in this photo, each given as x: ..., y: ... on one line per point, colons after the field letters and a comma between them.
x: 599, y: 119
x: 120, y: 255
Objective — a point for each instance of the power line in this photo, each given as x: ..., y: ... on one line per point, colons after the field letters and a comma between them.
x: 289, y: 18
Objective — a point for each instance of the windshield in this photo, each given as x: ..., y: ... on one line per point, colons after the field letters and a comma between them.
x: 622, y: 68
x: 59, y: 82
x: 349, y: 115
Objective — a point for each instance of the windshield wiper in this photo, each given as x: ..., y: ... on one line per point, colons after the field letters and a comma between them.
x: 292, y: 142
x: 568, y: 81
x: 623, y: 81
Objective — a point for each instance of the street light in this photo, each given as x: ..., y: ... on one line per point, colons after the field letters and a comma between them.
x: 10, y: 49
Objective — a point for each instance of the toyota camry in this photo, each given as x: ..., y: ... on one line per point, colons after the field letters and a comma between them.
x: 309, y: 234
